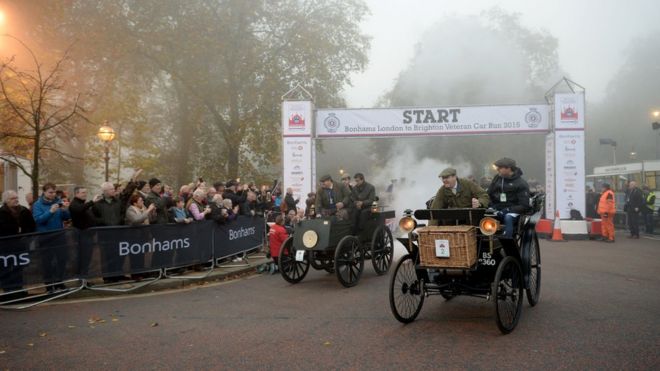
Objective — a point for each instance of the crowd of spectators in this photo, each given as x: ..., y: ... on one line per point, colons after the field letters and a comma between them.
x: 140, y: 202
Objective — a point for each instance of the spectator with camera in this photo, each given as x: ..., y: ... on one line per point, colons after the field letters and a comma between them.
x: 50, y: 211
x: 159, y: 216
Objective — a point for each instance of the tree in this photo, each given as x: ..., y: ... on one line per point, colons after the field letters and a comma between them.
x: 221, y: 67
x: 36, y: 116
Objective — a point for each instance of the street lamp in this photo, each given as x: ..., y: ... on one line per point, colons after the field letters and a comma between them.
x: 106, y: 134
x: 611, y: 142
x: 656, y: 126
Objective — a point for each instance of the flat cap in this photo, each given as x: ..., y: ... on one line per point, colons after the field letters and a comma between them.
x: 231, y: 183
x: 506, y: 162
x: 326, y: 178
x: 447, y: 172
x: 153, y: 182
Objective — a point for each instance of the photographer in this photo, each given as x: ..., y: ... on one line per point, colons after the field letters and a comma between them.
x: 49, y: 211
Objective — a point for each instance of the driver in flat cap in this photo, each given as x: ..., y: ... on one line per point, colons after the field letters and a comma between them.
x: 458, y: 193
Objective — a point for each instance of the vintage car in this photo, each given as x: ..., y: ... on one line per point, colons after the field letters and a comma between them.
x: 328, y: 244
x: 466, y: 254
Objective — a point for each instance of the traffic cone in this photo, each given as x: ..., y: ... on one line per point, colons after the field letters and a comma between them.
x: 557, y: 236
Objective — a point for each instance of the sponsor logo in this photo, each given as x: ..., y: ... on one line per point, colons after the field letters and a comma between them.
x: 331, y: 123
x: 14, y: 260
x: 296, y: 122
x: 235, y: 234
x: 533, y: 118
x: 126, y: 248
x: 297, y: 167
x: 568, y: 111
x: 296, y: 173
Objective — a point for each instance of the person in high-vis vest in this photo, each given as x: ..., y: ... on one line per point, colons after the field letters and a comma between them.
x: 648, y: 210
x: 606, y: 210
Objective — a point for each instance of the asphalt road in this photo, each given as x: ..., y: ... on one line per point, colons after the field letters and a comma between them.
x: 599, y: 309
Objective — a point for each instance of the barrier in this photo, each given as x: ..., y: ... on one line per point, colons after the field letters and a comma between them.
x: 48, y: 259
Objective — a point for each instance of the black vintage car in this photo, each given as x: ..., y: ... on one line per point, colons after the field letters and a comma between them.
x: 328, y: 244
x: 466, y: 255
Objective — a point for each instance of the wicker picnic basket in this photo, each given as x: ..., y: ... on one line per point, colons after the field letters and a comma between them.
x: 462, y: 241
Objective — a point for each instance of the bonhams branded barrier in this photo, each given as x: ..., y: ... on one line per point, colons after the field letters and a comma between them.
x: 110, y: 251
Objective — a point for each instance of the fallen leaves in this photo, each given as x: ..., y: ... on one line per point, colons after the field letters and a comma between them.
x: 154, y: 324
x: 43, y: 334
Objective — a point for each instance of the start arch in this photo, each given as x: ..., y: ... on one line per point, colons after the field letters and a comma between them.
x: 561, y: 118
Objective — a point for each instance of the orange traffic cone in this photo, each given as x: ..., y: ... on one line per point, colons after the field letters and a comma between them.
x: 556, y: 231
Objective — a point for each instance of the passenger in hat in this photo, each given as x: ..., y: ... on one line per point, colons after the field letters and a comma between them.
x: 509, y: 194
x: 331, y: 196
x: 457, y: 193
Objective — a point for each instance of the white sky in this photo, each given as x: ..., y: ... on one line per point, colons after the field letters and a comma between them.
x: 593, y: 36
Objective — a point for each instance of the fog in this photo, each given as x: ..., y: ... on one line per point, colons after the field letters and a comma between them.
x: 207, y: 77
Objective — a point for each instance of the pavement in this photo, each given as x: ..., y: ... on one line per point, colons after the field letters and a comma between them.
x: 223, y: 272
x: 598, y: 310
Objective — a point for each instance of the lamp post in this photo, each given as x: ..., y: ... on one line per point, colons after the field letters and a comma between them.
x: 106, y: 134
x: 612, y: 143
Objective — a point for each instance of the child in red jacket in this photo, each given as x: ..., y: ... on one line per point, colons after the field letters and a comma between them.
x: 276, y: 236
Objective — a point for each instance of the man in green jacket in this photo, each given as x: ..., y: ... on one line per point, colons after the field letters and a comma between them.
x: 331, y: 197
x: 458, y: 193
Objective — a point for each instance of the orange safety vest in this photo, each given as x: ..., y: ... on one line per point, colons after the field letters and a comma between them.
x: 606, y: 203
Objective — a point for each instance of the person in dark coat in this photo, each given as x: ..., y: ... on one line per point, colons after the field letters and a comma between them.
x: 160, y: 214
x: 634, y: 204
x: 331, y: 197
x: 291, y: 203
x: 509, y: 194
x: 363, y: 196
x: 81, y: 209
x: 230, y: 193
x: 591, y: 199
x: 252, y: 206
x: 14, y: 219
x: 82, y: 218
x: 109, y: 211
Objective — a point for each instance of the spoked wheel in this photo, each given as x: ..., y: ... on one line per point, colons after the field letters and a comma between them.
x: 534, y: 269
x: 508, y: 294
x: 382, y: 247
x: 406, y: 291
x: 349, y: 261
x: 292, y: 271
